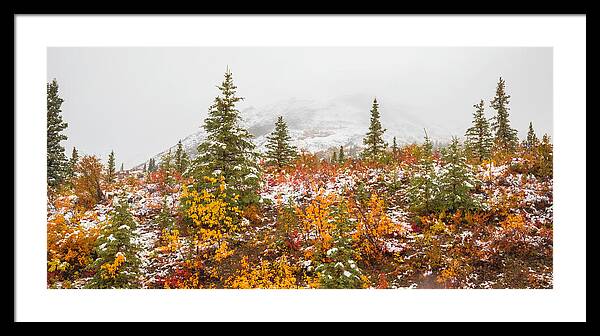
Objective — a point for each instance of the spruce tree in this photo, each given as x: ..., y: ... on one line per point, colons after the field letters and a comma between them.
x: 144, y: 169
x: 341, y: 155
x: 505, y: 138
x: 423, y: 191
x: 545, y: 157
x: 56, y: 161
x: 181, y: 159
x: 166, y: 161
x: 227, y: 149
x: 73, y: 163
x: 456, y: 180
x: 117, y: 265
x: 110, y: 170
x: 280, y: 152
x: 164, y: 218
x: 374, y: 144
x: 178, y: 155
x: 479, y: 136
x: 185, y: 162
x: 341, y: 270
x: 532, y: 141
x: 151, y: 165
x: 122, y: 166
x: 394, y: 147
x: 334, y: 158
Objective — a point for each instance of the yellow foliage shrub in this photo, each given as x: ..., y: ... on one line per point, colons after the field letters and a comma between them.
x: 372, y: 224
x: 112, y: 268
x: 223, y: 252
x: 279, y: 274
x: 69, y: 244
x: 318, y: 217
x: 513, y: 221
x: 212, y: 209
x: 170, y: 239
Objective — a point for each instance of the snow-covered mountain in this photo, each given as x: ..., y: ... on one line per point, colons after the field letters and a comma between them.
x: 317, y: 126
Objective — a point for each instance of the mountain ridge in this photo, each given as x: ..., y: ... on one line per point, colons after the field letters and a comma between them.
x: 319, y: 126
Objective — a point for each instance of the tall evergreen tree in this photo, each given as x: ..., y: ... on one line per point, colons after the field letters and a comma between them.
x: 423, y: 191
x: 151, y: 165
x: 164, y: 218
x: 178, y: 154
x: 122, y: 166
x: 545, y: 157
x: 280, y: 152
x: 117, y: 264
x: 227, y: 149
x: 334, y: 158
x: 185, y: 162
x: 532, y: 141
x: 144, y: 169
x: 456, y: 180
x: 394, y: 147
x: 374, y: 144
x: 56, y: 161
x: 341, y: 155
x: 110, y: 169
x: 73, y: 163
x: 166, y: 161
x: 181, y: 158
x: 479, y: 136
x: 505, y: 138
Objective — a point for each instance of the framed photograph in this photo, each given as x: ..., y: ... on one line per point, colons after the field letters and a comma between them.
x: 328, y: 170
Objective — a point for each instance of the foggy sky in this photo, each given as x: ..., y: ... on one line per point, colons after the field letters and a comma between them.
x: 140, y: 101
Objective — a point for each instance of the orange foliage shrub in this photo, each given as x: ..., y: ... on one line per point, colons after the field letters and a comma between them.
x: 513, y: 222
x: 318, y: 218
x: 87, y: 182
x: 168, y: 181
x: 252, y: 213
x: 69, y: 247
x: 132, y: 181
x: 504, y: 202
x: 372, y: 225
x: 409, y: 154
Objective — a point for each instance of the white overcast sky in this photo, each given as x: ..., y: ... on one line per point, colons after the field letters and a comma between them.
x: 140, y: 101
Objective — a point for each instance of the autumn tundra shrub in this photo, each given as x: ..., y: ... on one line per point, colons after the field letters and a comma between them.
x: 372, y: 226
x: 163, y: 179
x: 87, y: 181
x: 278, y: 274
x: 185, y: 275
x: 317, y: 221
x: 70, y: 247
x: 431, y: 244
x: 288, y: 230
x: 213, y: 218
x: 212, y: 211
